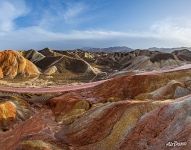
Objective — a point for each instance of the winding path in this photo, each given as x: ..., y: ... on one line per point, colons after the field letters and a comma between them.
x: 55, y: 89
x: 66, y: 88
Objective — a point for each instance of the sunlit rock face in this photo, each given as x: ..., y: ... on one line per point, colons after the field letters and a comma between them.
x: 132, y: 125
x: 105, y: 125
x: 171, y: 90
x: 7, y: 114
x: 12, y: 111
x: 13, y: 64
x: 36, y: 145
x: 1, y: 73
x: 169, y: 123
x: 50, y: 71
x: 68, y: 107
x: 33, y: 55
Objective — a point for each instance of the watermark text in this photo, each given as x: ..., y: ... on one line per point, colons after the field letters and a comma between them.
x: 176, y: 144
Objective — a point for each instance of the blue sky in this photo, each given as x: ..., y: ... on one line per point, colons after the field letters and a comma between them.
x: 66, y: 24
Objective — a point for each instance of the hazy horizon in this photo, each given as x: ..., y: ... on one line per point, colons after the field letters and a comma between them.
x: 85, y: 48
x: 70, y: 24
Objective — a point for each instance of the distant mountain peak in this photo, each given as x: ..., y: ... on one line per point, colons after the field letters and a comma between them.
x: 109, y: 49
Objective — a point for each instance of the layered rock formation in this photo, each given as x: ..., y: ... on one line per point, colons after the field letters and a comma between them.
x: 135, y: 111
x: 13, y: 64
x: 184, y: 55
x: 39, y: 127
x: 132, y: 124
x: 51, y: 70
x: 149, y: 62
x: 13, y: 110
x: 104, y: 126
x: 32, y: 55
x: 49, y: 53
x: 36, y: 145
x: 169, y: 123
x: 125, y: 125
x: 7, y: 114
x: 84, y: 66
x: 68, y: 67
x: 109, y: 126
x: 68, y: 107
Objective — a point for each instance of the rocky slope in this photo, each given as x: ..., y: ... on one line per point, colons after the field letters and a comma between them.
x: 13, y: 64
x: 84, y: 66
x: 32, y: 55
x: 62, y: 66
x: 135, y: 110
x: 141, y: 111
x: 184, y: 55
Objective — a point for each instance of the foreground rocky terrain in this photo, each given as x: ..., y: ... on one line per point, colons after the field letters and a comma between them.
x: 143, y: 101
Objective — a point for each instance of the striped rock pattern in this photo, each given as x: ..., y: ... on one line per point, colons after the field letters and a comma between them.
x: 12, y: 64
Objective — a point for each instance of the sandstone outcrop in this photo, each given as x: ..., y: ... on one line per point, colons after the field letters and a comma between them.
x: 33, y: 56
x: 68, y: 67
x: 184, y: 55
x: 169, y: 91
x: 13, y: 64
x: 49, y: 53
x: 12, y: 111
x: 36, y: 145
x: 131, y: 125
x: 50, y: 71
x: 7, y: 114
x: 104, y: 126
x: 169, y: 123
x: 68, y: 107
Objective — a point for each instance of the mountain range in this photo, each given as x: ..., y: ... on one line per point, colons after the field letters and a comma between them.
x: 127, y: 49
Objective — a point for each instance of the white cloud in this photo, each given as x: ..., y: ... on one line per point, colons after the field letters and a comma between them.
x: 166, y: 33
x: 74, y: 11
x: 63, y: 17
x: 178, y: 31
x: 10, y: 10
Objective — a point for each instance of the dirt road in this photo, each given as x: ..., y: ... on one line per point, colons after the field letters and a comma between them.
x: 55, y: 89
x: 66, y: 88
